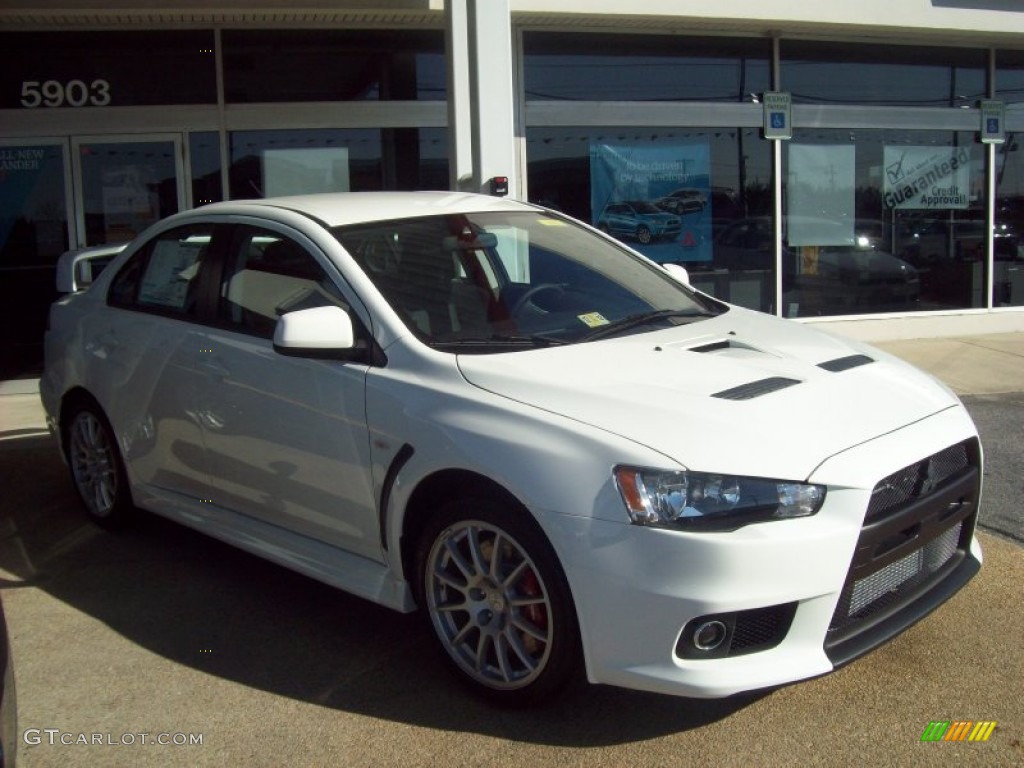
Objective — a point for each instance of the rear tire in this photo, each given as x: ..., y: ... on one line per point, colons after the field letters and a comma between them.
x: 97, y: 470
x: 498, y: 601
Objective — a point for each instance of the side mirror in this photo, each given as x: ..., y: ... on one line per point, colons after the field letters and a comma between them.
x: 322, y: 332
x: 77, y: 269
x: 678, y: 271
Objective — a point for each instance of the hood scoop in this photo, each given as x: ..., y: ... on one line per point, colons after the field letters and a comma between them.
x: 846, y: 363
x: 725, y: 345
x: 756, y: 388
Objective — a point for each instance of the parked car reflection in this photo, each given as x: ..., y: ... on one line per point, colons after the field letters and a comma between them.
x: 639, y: 220
x: 683, y: 201
x: 858, y: 275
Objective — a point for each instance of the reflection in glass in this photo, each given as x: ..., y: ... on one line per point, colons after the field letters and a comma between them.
x: 828, y: 73
x: 1010, y: 80
x: 721, y: 211
x: 593, y: 67
x: 33, y: 234
x: 1008, y: 267
x: 284, y: 65
x: 126, y: 186
x: 204, y: 153
x: 265, y: 163
x: 33, y: 212
x: 883, y: 221
x: 111, y: 68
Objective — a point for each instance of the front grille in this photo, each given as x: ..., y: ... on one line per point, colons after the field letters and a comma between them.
x: 917, y: 480
x: 875, y: 592
x: 916, y: 534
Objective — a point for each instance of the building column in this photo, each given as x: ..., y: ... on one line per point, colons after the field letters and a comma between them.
x: 480, y: 94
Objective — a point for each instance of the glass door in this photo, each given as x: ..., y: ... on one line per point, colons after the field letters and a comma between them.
x: 34, y: 230
x: 126, y: 183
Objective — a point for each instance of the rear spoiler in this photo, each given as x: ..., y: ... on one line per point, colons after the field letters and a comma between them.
x: 77, y: 269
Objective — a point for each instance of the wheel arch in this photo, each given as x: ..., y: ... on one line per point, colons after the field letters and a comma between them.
x: 431, y: 493
x: 74, y: 396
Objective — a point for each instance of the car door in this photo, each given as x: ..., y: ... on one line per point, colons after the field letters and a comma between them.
x: 143, y: 348
x: 286, y: 437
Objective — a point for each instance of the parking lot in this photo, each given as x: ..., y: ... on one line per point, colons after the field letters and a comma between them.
x: 159, y: 646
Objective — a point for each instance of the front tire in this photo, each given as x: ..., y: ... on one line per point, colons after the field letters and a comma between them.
x: 498, y: 601
x: 97, y: 470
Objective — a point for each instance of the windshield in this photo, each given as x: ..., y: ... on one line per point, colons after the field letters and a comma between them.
x: 483, y: 282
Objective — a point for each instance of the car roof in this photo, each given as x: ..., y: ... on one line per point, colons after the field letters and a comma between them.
x: 340, y: 208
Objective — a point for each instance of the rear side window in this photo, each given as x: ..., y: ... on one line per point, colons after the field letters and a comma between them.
x: 163, y: 276
x: 268, y: 275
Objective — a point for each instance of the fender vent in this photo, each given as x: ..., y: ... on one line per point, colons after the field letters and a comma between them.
x: 756, y: 388
x: 846, y: 363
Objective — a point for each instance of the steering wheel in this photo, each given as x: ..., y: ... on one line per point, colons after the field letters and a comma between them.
x: 527, y: 297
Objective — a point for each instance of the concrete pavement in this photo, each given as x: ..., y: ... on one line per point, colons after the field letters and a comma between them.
x: 970, y: 365
x: 164, y: 632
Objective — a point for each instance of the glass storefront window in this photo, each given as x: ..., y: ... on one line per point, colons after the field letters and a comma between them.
x: 1008, y: 267
x: 33, y: 234
x: 44, y: 70
x: 873, y: 75
x: 33, y: 210
x: 204, y: 153
x: 592, y: 67
x: 1010, y: 80
x: 882, y: 221
x: 273, y: 163
x: 126, y: 186
x: 676, y: 195
x: 333, y: 65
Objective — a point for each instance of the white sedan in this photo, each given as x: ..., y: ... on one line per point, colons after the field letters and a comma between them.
x: 571, y: 461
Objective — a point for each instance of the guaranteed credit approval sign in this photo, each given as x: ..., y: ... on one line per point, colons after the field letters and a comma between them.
x: 927, y: 177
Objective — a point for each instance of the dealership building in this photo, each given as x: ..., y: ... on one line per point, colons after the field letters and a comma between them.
x: 854, y: 164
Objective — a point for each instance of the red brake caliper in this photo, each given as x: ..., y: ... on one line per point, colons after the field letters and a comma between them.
x: 537, y: 614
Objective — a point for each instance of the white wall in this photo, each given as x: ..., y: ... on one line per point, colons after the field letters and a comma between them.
x: 992, y: 16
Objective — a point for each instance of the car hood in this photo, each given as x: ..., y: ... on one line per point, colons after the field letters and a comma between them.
x: 742, y: 393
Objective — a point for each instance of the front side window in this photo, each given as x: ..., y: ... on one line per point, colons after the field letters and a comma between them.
x: 163, y: 276
x: 268, y: 275
x: 476, y: 282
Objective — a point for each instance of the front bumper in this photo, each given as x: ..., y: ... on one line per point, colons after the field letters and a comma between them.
x: 831, y: 586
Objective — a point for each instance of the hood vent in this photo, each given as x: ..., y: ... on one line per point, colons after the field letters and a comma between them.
x: 756, y: 388
x: 846, y: 363
x: 713, y: 346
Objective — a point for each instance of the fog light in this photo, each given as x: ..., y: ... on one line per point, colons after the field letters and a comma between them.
x: 708, y: 635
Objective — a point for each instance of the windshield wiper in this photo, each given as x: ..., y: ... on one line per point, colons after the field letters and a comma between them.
x: 644, y: 318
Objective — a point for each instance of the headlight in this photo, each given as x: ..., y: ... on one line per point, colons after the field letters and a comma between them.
x: 702, y: 501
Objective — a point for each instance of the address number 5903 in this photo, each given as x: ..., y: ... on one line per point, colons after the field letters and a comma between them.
x: 74, y: 93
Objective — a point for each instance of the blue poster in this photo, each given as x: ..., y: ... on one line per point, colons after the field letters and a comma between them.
x: 657, y: 199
